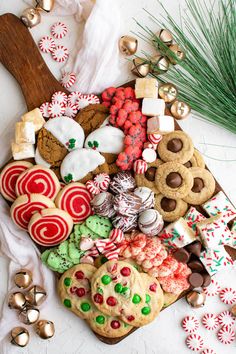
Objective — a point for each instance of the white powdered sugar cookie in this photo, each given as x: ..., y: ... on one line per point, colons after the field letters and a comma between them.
x: 106, y: 139
x: 78, y: 163
x: 67, y: 131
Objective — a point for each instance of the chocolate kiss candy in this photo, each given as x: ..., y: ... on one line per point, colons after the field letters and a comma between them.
x: 150, y: 174
x: 195, y: 280
x: 174, y: 180
x: 181, y: 255
x: 196, y: 298
x: 168, y: 204
x: 206, y: 280
x: 194, y: 248
x: 19, y: 336
x: 174, y: 145
x: 45, y: 329
x: 196, y: 265
x: 198, y: 185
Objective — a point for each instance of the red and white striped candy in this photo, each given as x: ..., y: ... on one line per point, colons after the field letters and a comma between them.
x: 47, y: 44
x: 228, y: 296
x: 208, y: 351
x: 60, y: 97
x: 116, y: 236
x: 113, y: 255
x: 210, y: 321
x: 74, y: 96
x: 154, y: 138
x: 102, y: 181
x: 226, y: 318
x: 149, y: 155
x: 59, y: 30
x: 213, y: 289
x: 194, y: 342
x: 70, y: 110
x: 75, y: 200
x: 49, y: 227
x: 140, y: 167
x: 226, y: 335
x: 44, y: 109
x: 85, y: 100
x: 9, y: 176
x: 101, y: 244
x: 38, y: 179
x: 26, y: 205
x: 93, y: 252
x: 86, y: 260
x: 94, y: 190
x: 56, y: 109
x: 190, y: 324
x: 60, y: 53
x: 86, y: 244
x: 68, y: 79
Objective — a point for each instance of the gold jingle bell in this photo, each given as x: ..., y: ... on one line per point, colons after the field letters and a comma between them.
x: 233, y: 310
x: 19, y: 336
x: 196, y: 298
x: 180, y: 110
x: 165, y: 36
x: 128, y: 45
x: 45, y: 329
x: 16, y: 301
x: 30, y: 17
x: 29, y: 315
x: 23, y: 278
x: 168, y: 92
x: 160, y: 64
x: 35, y: 295
x: 45, y: 5
x: 180, y: 55
x: 140, y: 67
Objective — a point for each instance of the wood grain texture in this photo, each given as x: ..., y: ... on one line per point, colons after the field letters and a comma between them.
x: 21, y: 57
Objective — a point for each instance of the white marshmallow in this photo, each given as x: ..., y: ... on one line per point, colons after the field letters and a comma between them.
x: 146, y: 88
x: 24, y: 133
x: 35, y: 117
x: 22, y: 151
x: 163, y: 124
x: 153, y: 107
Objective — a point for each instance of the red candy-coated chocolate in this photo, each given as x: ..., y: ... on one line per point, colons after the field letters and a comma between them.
x: 115, y: 324
x: 79, y: 275
x: 80, y: 292
x: 73, y: 290
x: 98, y: 298
x: 111, y: 301
x: 130, y: 318
x: 125, y: 271
x: 153, y: 287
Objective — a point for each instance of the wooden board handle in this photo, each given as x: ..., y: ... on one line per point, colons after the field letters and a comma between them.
x: 21, y: 57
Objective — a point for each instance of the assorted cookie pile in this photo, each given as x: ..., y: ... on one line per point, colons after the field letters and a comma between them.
x: 120, y: 203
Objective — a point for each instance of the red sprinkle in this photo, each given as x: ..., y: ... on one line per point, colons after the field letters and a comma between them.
x: 79, y: 275
x: 153, y: 287
x: 125, y: 271
x: 98, y: 298
x: 80, y: 292
x: 115, y: 324
x: 111, y: 301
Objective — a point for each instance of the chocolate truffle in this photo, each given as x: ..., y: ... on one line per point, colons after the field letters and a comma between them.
x: 147, y: 197
x: 122, y: 182
x: 102, y: 204
x: 150, y: 222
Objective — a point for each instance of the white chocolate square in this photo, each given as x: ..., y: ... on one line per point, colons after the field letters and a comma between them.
x: 146, y: 88
x: 24, y: 133
x: 216, y: 259
x: 22, y: 151
x: 153, y: 107
x: 36, y: 117
x: 220, y: 204
x: 163, y: 124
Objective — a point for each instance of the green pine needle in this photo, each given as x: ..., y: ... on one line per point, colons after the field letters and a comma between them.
x: 206, y: 79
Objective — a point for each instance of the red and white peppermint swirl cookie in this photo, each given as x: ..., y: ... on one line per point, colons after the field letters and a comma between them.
x: 49, y: 227
x: 26, y: 205
x: 75, y: 199
x: 40, y: 180
x: 9, y: 176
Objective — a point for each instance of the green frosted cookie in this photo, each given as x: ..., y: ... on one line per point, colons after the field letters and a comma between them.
x: 87, y: 232
x: 74, y: 253
x: 57, y: 263
x: 44, y: 256
x: 100, y: 225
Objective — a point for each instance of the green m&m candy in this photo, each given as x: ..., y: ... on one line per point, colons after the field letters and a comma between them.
x: 146, y: 310
x: 148, y: 298
x: 67, y: 303
x: 136, y: 299
x: 85, y: 307
x: 67, y: 281
x: 100, y: 319
x: 106, y: 279
x: 118, y: 288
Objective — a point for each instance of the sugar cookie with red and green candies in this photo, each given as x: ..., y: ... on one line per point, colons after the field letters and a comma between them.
x: 113, y: 287
x: 75, y: 291
x: 154, y: 301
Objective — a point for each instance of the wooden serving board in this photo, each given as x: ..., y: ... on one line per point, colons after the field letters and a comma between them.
x: 21, y: 57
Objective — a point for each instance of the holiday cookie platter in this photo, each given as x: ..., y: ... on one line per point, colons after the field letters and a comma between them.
x: 113, y: 192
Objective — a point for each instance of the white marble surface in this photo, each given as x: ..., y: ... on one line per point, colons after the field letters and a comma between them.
x: 164, y: 335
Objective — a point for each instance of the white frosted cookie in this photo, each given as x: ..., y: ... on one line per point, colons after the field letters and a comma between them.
x: 106, y: 139
x: 39, y: 160
x: 75, y: 292
x: 154, y: 300
x: 67, y: 131
x: 114, y: 286
x: 78, y: 163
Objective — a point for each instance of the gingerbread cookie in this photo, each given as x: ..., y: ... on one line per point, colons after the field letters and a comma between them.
x: 176, y: 146
x: 174, y: 180
x: 154, y: 300
x: 203, y: 186
x: 114, y: 286
x: 170, y: 209
x: 169, y: 298
x: 26, y: 205
x: 92, y: 117
x: 75, y: 292
x: 196, y: 160
x: 148, y: 178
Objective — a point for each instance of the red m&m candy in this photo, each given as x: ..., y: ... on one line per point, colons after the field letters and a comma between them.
x: 98, y: 298
x: 80, y: 292
x: 130, y: 318
x: 79, y: 275
x: 125, y: 271
x: 111, y: 301
x: 115, y: 324
x: 153, y: 287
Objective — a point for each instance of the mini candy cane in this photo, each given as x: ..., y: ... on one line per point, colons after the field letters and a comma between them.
x: 140, y: 166
x: 116, y: 236
x: 154, y: 138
